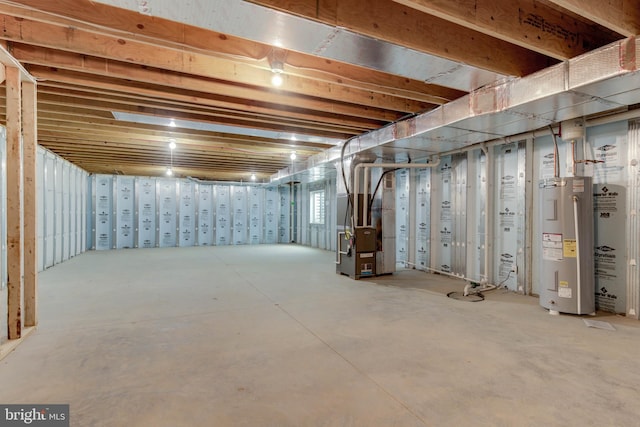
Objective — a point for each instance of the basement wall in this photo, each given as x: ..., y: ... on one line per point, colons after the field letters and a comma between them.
x: 61, y: 217
x: 62, y: 191
x: 144, y: 212
x: 441, y: 213
x: 316, y: 229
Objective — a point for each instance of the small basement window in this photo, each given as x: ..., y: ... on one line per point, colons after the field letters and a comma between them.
x: 316, y: 208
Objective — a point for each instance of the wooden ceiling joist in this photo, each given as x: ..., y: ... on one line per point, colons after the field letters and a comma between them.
x: 157, y: 31
x: 180, y: 61
x: 133, y: 78
x: 621, y: 16
x: 527, y: 23
x: 399, y: 24
x: 92, y: 60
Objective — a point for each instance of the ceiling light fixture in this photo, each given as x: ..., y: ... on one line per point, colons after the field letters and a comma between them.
x: 293, y: 155
x: 172, y: 123
x: 276, y: 62
x: 276, y: 79
x: 172, y: 146
x: 253, y: 177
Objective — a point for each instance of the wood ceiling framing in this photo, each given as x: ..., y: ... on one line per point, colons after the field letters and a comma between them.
x: 91, y: 60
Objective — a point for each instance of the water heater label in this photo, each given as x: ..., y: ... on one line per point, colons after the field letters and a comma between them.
x: 564, y: 292
x: 569, y: 248
x: 552, y: 246
x: 578, y: 185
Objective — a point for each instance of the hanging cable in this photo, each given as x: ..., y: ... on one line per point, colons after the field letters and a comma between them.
x: 346, y: 184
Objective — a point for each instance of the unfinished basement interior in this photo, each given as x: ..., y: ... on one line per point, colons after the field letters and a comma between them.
x: 319, y: 213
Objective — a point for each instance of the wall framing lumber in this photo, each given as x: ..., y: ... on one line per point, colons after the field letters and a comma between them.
x: 14, y: 204
x: 30, y: 143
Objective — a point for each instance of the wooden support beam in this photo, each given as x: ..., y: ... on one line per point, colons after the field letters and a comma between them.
x: 14, y: 204
x: 180, y: 61
x: 622, y: 16
x: 527, y: 23
x: 396, y: 23
x: 30, y: 142
x: 77, y: 69
x: 92, y: 15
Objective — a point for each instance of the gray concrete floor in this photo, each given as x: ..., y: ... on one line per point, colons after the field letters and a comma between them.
x: 271, y: 336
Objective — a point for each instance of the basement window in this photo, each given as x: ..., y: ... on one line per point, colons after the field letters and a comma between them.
x: 316, y: 207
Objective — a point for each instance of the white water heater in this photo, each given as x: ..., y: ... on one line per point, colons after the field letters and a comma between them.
x: 566, y: 239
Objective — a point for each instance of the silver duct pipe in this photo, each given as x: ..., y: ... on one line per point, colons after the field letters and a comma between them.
x: 275, y: 28
x: 366, y: 166
x: 599, y: 81
x: 205, y: 182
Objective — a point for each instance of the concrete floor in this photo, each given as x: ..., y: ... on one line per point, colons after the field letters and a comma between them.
x: 271, y: 336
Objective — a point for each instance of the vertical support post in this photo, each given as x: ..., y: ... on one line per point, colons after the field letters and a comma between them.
x: 29, y: 135
x: 489, y: 215
x: 14, y: 204
x: 633, y: 223
x: 473, y: 217
x: 529, y: 218
x: 412, y: 259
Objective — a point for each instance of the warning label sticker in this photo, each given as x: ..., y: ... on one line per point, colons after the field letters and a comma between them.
x: 564, y: 292
x: 552, y: 246
x: 569, y: 248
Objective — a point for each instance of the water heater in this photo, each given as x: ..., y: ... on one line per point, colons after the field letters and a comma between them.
x: 566, y: 239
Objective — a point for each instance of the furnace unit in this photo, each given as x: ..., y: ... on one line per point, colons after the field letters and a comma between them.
x: 356, y: 251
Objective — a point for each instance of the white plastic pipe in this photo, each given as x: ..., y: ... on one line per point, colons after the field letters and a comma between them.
x: 489, y: 178
x: 577, y: 231
x: 339, y: 253
x: 356, y: 183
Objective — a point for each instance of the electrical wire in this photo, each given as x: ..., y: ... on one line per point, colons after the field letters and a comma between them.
x: 477, y: 295
x: 373, y: 194
x: 346, y: 185
x: 499, y: 285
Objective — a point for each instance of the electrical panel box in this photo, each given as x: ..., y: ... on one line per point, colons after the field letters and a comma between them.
x: 566, y: 243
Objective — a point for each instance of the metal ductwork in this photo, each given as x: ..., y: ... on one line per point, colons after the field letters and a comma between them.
x: 271, y: 27
x: 496, y: 107
x: 603, y: 80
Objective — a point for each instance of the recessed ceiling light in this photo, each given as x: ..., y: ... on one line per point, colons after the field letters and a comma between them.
x: 276, y: 79
x: 169, y: 172
x: 293, y: 155
x: 172, y: 144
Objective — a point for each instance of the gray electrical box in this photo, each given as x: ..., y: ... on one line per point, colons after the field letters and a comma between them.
x: 566, y: 242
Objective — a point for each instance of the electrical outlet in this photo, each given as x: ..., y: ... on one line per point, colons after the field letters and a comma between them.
x: 514, y: 269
